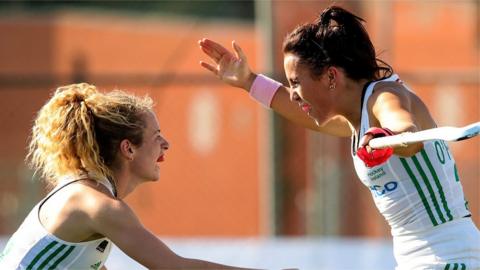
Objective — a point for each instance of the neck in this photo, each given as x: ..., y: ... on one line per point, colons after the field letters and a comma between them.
x: 350, y: 107
x: 125, y: 183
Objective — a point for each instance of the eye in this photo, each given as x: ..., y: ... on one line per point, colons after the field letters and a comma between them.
x: 294, y: 83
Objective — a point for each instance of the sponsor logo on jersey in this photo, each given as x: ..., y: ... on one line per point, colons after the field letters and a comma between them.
x: 376, y: 173
x: 102, y: 246
x: 379, y: 191
x: 95, y: 266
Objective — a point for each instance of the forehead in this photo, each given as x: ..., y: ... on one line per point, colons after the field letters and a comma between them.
x: 292, y: 65
x: 151, y: 121
x: 290, y: 60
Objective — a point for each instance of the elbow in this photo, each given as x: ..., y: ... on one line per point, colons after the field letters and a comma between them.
x: 408, y: 151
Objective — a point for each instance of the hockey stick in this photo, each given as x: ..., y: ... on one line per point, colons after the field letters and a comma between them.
x: 451, y: 134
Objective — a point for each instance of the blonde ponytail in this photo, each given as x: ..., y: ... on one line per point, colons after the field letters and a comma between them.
x: 79, y: 129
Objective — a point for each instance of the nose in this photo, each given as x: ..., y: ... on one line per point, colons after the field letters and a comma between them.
x: 165, y: 144
x: 294, y: 96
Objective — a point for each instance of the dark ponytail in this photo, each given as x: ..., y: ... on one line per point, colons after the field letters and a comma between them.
x: 337, y: 38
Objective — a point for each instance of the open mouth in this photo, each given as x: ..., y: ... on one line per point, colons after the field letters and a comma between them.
x: 161, y: 158
x: 305, y: 107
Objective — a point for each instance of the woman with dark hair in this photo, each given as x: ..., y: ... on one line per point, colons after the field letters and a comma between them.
x: 339, y: 87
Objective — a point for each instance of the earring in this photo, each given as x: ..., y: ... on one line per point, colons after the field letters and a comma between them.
x: 332, y: 86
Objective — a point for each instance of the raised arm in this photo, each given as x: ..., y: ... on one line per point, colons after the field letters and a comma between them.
x: 233, y: 69
x: 115, y: 220
x: 393, y: 108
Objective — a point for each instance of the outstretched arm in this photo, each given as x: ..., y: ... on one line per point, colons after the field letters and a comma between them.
x: 233, y: 69
x: 115, y: 220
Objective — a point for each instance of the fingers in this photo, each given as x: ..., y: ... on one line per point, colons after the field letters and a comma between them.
x: 211, y: 53
x: 209, y: 67
x: 238, y: 51
x: 212, y: 49
x: 365, y: 139
x: 364, y: 142
x: 214, y: 46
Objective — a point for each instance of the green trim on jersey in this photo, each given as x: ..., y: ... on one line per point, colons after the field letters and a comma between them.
x: 47, y: 260
x: 455, y: 266
x: 59, y: 260
x: 40, y: 254
x: 456, y: 173
x: 419, y: 190
x: 429, y: 188
x: 428, y: 180
x: 437, y: 183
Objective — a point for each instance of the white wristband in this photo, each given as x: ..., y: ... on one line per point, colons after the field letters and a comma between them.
x: 263, y: 89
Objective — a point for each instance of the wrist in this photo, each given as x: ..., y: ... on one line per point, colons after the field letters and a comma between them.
x: 251, y: 78
x: 263, y: 89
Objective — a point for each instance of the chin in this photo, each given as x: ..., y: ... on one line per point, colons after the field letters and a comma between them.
x: 151, y: 178
x: 317, y: 121
x: 155, y: 177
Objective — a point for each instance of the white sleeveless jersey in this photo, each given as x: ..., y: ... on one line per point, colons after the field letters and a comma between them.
x: 415, y: 193
x: 32, y: 247
x: 419, y: 196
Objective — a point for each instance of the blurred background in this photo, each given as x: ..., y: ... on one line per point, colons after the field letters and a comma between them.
x: 240, y: 185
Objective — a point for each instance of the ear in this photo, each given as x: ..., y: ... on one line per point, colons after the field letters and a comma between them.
x: 332, y: 73
x: 126, y: 149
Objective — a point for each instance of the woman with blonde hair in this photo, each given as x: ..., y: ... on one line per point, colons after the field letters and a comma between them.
x: 94, y: 149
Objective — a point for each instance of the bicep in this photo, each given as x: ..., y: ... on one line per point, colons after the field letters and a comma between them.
x: 117, y: 222
x: 394, y: 111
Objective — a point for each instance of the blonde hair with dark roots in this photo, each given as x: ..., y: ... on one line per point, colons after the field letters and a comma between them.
x: 79, y: 131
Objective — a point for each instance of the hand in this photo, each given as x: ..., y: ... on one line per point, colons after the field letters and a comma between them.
x: 230, y: 68
x: 374, y: 157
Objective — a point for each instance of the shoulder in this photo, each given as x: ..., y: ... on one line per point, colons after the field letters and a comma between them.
x: 390, y: 96
x: 70, y: 212
x: 96, y: 200
x: 84, y: 202
x: 103, y: 212
x: 90, y: 196
x: 383, y: 90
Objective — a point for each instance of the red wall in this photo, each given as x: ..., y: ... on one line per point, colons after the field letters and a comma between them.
x: 210, y: 182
